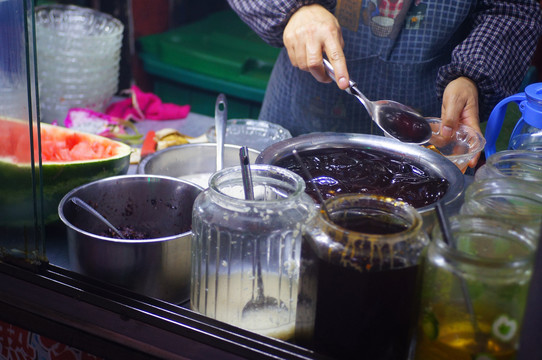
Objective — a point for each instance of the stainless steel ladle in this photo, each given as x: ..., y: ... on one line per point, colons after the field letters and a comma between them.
x: 395, y: 119
x: 82, y: 204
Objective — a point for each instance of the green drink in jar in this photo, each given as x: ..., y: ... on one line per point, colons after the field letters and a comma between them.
x: 474, y: 291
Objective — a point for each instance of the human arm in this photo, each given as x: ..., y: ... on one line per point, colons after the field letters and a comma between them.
x: 460, y: 106
x: 312, y: 31
x: 268, y: 18
x: 494, y: 56
x: 307, y: 29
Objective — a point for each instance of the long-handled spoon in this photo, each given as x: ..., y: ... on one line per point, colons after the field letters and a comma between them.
x: 395, y: 119
x: 82, y: 204
x: 258, y: 302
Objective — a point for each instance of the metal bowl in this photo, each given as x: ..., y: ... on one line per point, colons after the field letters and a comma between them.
x: 192, y: 162
x: 160, y: 206
x: 429, y: 160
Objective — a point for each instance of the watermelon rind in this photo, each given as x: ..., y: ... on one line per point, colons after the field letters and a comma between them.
x: 58, y: 178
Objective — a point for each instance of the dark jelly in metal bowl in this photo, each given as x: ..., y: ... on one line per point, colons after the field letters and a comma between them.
x: 403, y: 160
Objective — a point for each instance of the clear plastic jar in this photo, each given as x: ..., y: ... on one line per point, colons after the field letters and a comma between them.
x: 474, y: 290
x: 529, y: 138
x: 359, y: 282
x: 508, y: 199
x: 234, y: 239
x: 523, y: 164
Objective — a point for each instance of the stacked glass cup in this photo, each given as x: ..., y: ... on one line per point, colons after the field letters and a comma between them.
x: 78, y: 51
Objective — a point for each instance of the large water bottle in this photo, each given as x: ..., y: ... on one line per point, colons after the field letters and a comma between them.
x: 527, y: 134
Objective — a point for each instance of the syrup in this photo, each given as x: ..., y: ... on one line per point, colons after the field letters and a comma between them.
x: 404, y: 126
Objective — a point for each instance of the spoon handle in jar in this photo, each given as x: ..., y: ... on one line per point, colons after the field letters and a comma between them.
x: 248, y: 186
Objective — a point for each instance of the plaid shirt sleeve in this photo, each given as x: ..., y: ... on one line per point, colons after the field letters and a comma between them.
x: 268, y: 18
x: 497, y: 52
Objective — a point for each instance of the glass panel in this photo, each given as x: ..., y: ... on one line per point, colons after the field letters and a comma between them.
x: 21, y: 198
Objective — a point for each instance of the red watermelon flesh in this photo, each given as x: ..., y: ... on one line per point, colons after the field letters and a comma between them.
x: 57, y: 144
x: 70, y: 158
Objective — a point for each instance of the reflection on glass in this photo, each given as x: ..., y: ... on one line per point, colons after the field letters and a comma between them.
x: 20, y: 195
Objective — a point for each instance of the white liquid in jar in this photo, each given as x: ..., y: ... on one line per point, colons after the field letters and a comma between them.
x: 234, y: 293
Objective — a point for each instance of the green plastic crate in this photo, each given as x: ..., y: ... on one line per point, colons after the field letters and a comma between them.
x: 219, y: 54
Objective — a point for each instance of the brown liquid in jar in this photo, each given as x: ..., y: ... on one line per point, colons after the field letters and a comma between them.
x: 368, y: 225
x: 338, y: 171
x: 359, y: 315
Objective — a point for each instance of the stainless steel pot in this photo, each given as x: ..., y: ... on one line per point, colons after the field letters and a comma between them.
x: 429, y: 160
x: 160, y: 206
x: 192, y: 162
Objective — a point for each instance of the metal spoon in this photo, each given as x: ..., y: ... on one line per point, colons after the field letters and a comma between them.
x: 395, y: 119
x: 221, y: 115
x: 77, y: 201
x: 246, y: 174
x: 259, y: 302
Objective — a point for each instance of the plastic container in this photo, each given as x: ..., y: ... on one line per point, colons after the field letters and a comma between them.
x: 465, y: 144
x: 219, y: 54
x: 358, y: 285
x: 474, y: 291
x: 232, y: 235
x: 256, y: 134
x: 527, y: 134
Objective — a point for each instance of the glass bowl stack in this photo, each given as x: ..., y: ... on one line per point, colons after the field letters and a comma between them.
x: 78, y: 52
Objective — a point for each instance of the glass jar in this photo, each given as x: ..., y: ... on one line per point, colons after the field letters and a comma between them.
x: 358, y: 285
x: 523, y: 164
x: 474, y: 290
x: 508, y: 199
x: 246, y: 253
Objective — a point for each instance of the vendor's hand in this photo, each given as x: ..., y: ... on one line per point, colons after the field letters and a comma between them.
x: 311, y: 31
x: 460, y: 106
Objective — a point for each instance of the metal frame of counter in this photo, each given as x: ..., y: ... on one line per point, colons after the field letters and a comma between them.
x: 111, y: 322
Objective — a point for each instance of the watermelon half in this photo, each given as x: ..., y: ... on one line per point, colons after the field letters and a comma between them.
x: 69, y: 159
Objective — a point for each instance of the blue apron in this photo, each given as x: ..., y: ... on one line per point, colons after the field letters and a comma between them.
x: 392, y: 55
